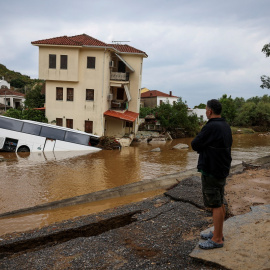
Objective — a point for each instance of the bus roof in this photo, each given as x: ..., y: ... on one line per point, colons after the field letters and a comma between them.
x: 52, y: 126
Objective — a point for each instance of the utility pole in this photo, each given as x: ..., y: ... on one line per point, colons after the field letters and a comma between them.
x: 5, y: 101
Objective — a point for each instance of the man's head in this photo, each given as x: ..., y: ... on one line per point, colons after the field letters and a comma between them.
x: 213, y: 109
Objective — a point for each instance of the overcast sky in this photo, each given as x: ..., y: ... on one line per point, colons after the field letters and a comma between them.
x: 198, y: 49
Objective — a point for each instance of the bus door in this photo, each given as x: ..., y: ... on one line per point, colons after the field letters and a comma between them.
x: 49, y: 145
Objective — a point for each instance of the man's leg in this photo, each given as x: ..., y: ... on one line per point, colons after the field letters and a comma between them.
x: 218, y: 219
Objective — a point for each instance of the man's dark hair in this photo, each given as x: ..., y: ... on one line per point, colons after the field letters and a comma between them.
x: 215, y: 106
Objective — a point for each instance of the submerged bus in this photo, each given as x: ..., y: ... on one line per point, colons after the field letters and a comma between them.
x: 29, y: 136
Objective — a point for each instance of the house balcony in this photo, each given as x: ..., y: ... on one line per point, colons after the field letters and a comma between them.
x: 118, y: 105
x: 119, y: 76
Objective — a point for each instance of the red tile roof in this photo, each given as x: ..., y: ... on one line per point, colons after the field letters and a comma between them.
x: 40, y: 109
x: 127, y: 115
x: 126, y: 48
x: 9, y: 92
x: 85, y: 40
x: 64, y: 40
x: 155, y: 93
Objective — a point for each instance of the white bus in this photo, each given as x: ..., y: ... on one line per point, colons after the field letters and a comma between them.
x: 29, y: 136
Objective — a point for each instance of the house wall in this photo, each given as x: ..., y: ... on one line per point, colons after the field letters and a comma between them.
x: 199, y: 112
x: 79, y: 77
x: 169, y: 100
x: 4, y: 84
x: 115, y: 127
x: 81, y: 109
x: 69, y: 74
x: 11, y: 100
x: 150, y: 102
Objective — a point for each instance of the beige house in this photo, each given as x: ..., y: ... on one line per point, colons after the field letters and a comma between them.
x: 90, y: 85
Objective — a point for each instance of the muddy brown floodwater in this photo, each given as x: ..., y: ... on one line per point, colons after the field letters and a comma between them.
x: 34, y: 179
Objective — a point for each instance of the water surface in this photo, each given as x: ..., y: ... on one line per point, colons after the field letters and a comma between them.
x: 30, y: 180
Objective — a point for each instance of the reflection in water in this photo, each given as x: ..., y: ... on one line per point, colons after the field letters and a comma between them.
x: 29, y: 180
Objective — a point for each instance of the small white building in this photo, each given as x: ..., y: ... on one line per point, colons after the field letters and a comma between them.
x: 200, y: 114
x: 4, y: 84
x: 11, y: 99
x: 154, y: 98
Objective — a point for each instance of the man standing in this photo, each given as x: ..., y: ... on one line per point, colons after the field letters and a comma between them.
x: 213, y: 144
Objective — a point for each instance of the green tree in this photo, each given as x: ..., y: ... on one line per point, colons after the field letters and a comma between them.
x: 145, y: 111
x: 18, y: 82
x: 228, y: 108
x: 239, y: 102
x: 265, y: 79
x: 176, y: 116
x: 200, y: 106
x: 34, y: 98
x: 246, y: 115
x: 27, y: 114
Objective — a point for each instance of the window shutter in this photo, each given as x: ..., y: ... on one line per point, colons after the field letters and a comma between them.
x: 63, y: 64
x: 52, y: 60
x: 91, y: 62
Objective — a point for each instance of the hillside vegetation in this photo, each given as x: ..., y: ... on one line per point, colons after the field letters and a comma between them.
x: 16, y: 79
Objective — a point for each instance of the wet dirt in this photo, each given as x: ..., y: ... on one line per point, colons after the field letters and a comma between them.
x: 247, y: 189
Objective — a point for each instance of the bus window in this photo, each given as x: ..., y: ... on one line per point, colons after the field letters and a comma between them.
x: 11, y: 124
x: 52, y: 133
x: 76, y: 138
x: 31, y: 128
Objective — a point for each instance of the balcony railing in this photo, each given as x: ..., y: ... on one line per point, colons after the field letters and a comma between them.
x: 118, y: 76
x: 116, y: 105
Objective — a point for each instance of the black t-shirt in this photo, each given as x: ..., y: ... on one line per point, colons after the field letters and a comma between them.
x: 213, y: 144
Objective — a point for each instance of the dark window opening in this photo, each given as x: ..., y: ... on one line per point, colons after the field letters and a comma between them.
x: 89, y: 94
x: 52, y: 60
x: 129, y: 124
x: 59, y: 122
x: 69, y: 123
x: 63, y: 62
x: 59, y: 93
x: 88, y: 126
x: 120, y: 94
x: 70, y: 94
x: 121, y: 67
x: 91, y: 62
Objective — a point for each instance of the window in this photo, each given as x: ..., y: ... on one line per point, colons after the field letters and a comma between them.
x: 91, y: 62
x: 11, y: 124
x: 52, y: 133
x: 69, y: 123
x: 121, y: 67
x: 63, y: 62
x: 160, y: 102
x: 59, y: 93
x: 120, y: 93
x: 70, y: 93
x: 59, y: 122
x: 89, y: 94
x: 129, y: 124
x: 52, y: 60
x: 88, y: 127
x: 77, y: 138
x: 31, y: 128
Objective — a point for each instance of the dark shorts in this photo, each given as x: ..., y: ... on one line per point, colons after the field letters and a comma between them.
x: 213, y: 191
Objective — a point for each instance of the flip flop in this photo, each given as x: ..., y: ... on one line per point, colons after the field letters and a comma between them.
x: 209, y: 244
x: 208, y: 235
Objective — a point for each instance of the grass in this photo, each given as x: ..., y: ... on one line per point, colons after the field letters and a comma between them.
x: 240, y: 130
